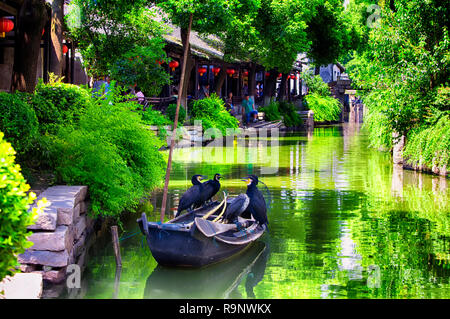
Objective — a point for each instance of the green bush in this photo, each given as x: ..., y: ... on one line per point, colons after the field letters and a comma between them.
x: 429, y: 145
x: 17, y: 121
x: 114, y: 154
x: 171, y: 110
x: 213, y: 114
x: 271, y: 112
x: 14, y: 218
x: 290, y: 116
x: 326, y: 108
x: 57, y: 103
x: 315, y: 84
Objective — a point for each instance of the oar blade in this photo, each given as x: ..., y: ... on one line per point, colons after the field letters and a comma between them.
x: 210, y: 228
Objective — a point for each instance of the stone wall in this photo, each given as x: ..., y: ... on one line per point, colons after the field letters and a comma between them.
x: 397, y: 158
x: 59, y: 235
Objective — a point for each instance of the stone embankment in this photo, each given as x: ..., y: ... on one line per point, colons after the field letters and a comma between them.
x: 398, y: 158
x: 60, y: 234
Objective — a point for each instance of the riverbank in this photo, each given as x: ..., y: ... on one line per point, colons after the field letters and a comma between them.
x: 61, y: 237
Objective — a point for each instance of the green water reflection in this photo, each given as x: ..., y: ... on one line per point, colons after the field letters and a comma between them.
x: 344, y: 223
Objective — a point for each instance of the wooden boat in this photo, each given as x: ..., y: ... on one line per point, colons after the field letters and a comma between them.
x: 216, y: 281
x: 190, y: 240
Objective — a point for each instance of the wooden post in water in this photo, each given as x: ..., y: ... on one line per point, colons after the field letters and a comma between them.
x: 175, y: 123
x: 116, y: 246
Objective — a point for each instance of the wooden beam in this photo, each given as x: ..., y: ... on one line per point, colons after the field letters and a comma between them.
x: 7, y: 8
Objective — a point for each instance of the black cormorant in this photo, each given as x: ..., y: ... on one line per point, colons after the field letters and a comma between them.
x: 257, y: 206
x: 235, y: 208
x: 193, y: 196
x: 211, y: 187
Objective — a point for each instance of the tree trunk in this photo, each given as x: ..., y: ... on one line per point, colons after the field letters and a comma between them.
x: 56, y: 51
x: 251, y: 80
x: 189, y: 66
x: 282, y: 94
x: 269, y: 88
x: 221, y: 80
x: 31, y: 19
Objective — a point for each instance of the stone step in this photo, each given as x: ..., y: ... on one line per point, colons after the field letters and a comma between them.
x: 22, y: 286
x: 58, y: 240
x: 46, y: 220
x: 44, y: 257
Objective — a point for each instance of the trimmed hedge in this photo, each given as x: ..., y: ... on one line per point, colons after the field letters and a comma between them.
x: 57, y: 103
x: 171, y: 110
x: 18, y: 121
x: 213, y: 114
x: 114, y: 154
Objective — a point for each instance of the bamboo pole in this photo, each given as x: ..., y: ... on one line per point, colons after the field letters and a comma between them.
x: 172, y: 139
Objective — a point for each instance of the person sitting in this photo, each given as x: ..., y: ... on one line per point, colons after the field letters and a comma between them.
x: 204, y: 92
x: 250, y: 111
x: 140, y: 97
x: 229, y: 103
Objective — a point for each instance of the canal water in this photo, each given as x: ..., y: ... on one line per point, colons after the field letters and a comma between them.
x: 343, y: 223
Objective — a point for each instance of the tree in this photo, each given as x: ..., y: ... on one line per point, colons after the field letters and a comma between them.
x: 56, y: 37
x: 403, y: 69
x: 31, y: 19
x: 327, y: 32
x: 122, y: 38
x: 208, y: 17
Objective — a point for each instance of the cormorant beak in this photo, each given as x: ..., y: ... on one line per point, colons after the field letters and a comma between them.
x: 202, y: 177
x: 247, y: 180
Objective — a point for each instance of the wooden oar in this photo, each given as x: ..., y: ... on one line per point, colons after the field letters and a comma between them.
x: 217, y: 208
x: 223, y: 211
x: 210, y: 229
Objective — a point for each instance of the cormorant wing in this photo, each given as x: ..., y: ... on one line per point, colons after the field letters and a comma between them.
x: 189, y: 197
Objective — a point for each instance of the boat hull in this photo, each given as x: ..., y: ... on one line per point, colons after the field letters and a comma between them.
x: 188, y: 248
x: 181, y: 243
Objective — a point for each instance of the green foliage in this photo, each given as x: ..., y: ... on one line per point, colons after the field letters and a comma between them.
x: 139, y: 66
x: 326, y: 108
x: 316, y: 84
x: 18, y: 121
x: 402, y: 68
x: 14, y: 218
x: 329, y: 32
x: 290, y: 116
x: 57, y: 103
x: 271, y: 112
x: 110, y: 33
x: 213, y: 114
x: 429, y: 145
x: 171, y: 110
x: 112, y: 153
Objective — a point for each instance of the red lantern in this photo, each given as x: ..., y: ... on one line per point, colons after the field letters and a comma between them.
x: 245, y: 73
x: 43, y: 31
x: 267, y: 74
x: 173, y: 64
x: 280, y: 75
x: 65, y: 49
x: 230, y: 72
x: 202, y: 71
x: 6, y: 25
x: 293, y: 77
x: 216, y: 71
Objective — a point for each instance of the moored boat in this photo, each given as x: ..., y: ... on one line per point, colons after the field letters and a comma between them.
x: 197, y: 239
